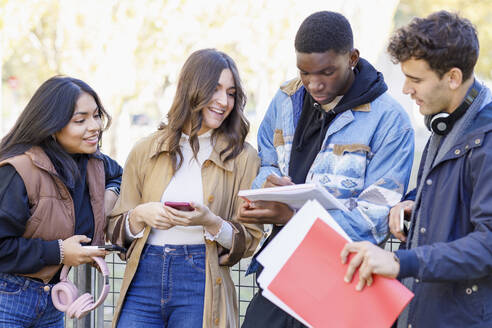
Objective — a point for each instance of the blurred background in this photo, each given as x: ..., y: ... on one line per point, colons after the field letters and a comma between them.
x: 131, y: 52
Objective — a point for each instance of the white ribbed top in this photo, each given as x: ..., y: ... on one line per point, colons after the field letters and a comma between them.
x: 185, y: 186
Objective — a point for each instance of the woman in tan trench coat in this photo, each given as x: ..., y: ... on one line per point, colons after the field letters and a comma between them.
x: 177, y: 272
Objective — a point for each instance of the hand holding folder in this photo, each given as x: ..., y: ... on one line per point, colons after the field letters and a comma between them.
x: 307, y: 251
x: 382, y: 263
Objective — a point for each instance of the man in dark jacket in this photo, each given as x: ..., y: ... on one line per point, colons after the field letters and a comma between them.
x: 446, y: 259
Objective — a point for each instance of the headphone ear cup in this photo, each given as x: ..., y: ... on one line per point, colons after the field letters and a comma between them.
x: 63, y: 294
x: 81, y: 306
x: 441, y: 123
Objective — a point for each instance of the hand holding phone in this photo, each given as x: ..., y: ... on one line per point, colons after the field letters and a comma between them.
x: 109, y: 248
x: 403, y: 225
x: 180, y: 206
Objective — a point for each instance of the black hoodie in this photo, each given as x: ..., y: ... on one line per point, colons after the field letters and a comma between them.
x: 314, y: 121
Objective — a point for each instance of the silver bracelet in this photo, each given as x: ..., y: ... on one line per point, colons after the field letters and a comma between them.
x: 62, y: 253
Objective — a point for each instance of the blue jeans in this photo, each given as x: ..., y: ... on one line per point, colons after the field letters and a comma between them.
x: 26, y: 302
x: 167, y: 289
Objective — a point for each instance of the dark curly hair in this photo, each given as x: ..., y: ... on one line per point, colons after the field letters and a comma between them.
x: 324, y: 31
x: 443, y: 39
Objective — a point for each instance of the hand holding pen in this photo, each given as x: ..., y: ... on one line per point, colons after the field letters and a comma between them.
x: 274, y: 180
x: 267, y: 212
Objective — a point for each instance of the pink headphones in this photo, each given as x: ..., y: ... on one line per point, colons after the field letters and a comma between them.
x: 64, y: 294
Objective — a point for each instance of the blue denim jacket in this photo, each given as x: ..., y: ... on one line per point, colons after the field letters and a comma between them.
x: 365, y: 160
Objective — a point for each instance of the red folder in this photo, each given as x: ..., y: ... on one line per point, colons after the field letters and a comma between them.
x: 311, y: 284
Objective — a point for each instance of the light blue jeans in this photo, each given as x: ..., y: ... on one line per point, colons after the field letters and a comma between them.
x: 167, y: 289
x: 26, y: 302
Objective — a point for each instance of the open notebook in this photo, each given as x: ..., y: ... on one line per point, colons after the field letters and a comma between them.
x: 295, y: 196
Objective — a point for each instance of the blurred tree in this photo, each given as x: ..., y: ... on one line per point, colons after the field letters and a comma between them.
x: 131, y: 51
x: 28, y: 43
x: 479, y: 12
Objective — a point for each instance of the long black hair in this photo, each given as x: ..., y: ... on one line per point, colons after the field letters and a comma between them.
x: 50, y: 109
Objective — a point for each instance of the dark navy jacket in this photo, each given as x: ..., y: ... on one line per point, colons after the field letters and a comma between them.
x: 452, y: 264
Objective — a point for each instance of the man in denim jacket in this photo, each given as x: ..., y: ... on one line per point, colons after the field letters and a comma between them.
x: 447, y: 258
x: 337, y: 126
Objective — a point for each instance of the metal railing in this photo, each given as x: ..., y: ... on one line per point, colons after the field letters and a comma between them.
x: 86, y: 278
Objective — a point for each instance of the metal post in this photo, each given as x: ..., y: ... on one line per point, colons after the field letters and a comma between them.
x: 99, y: 312
x: 82, y: 279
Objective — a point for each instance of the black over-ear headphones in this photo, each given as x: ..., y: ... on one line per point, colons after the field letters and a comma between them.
x: 442, y: 123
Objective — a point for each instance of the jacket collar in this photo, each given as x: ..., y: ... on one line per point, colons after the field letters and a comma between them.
x: 292, y: 86
x: 469, y: 130
x: 41, y: 160
x: 218, y: 143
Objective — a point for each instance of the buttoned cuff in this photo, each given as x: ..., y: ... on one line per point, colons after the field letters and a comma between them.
x: 409, y: 263
x: 223, y: 237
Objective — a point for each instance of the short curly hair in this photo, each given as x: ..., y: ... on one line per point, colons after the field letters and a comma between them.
x: 324, y: 31
x: 443, y: 39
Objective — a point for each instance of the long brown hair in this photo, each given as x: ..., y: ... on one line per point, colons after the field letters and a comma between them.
x: 196, y: 85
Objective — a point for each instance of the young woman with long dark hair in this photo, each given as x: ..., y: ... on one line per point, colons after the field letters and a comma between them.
x: 177, y: 272
x: 55, y: 189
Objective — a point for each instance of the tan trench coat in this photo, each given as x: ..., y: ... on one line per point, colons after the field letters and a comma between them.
x: 146, y: 175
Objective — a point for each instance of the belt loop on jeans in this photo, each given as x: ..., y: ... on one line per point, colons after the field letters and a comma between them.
x: 186, y: 252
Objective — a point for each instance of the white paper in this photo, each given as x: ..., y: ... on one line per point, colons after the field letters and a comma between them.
x: 274, y: 256
x: 295, y: 195
x: 279, y: 250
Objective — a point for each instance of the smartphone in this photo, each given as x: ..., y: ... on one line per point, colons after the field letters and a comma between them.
x: 109, y: 248
x: 403, y: 223
x: 181, y: 206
